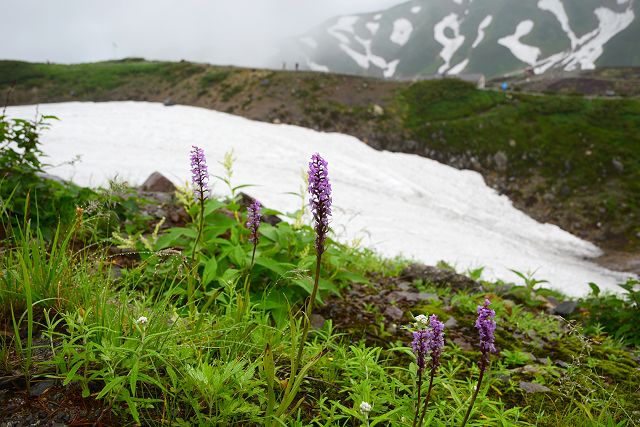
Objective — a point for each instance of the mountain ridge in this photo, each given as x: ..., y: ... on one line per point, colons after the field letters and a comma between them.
x: 490, y: 37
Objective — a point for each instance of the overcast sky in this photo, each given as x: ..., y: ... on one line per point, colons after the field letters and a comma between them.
x: 239, y: 32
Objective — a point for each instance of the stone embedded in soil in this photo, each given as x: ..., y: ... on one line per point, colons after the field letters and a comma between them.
x: 39, y: 388
x: 394, y: 313
x: 451, y: 323
x: 464, y: 345
x: 317, y: 321
x: 437, y: 276
x: 158, y: 183
x: 533, y: 387
x: 412, y: 297
x: 565, y: 308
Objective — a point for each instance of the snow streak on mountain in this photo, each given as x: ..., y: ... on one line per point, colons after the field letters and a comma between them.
x: 492, y: 37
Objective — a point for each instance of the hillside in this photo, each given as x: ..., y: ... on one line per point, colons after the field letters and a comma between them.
x: 572, y: 161
x: 491, y: 37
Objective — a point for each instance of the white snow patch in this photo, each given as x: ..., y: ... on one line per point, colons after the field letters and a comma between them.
x: 590, y: 46
x: 481, y: 28
x: 391, y: 68
x: 400, y: 203
x: 610, y: 24
x: 449, y: 45
x: 457, y: 1
x: 373, y: 27
x: 343, y: 25
x: 317, y: 67
x: 377, y: 17
x: 309, y: 41
x: 557, y: 8
x: 367, y: 58
x: 402, y: 29
x: 416, y: 9
x: 457, y: 69
x: 525, y: 53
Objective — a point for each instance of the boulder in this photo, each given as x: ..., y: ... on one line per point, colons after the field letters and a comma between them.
x: 158, y: 183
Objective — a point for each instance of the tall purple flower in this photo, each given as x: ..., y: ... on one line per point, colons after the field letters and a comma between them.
x: 486, y: 327
x: 436, y: 340
x: 320, y: 200
x: 253, y: 221
x: 199, y: 173
x: 420, y: 346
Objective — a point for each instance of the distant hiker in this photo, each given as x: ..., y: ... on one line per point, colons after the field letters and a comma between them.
x: 297, y: 66
x: 504, y: 86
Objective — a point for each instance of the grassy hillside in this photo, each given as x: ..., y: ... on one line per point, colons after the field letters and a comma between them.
x: 570, y: 160
x: 124, y: 306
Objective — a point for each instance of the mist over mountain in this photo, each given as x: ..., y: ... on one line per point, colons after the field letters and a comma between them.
x: 492, y: 37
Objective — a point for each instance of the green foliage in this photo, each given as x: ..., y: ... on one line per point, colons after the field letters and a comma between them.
x: 615, y: 315
x: 213, y: 77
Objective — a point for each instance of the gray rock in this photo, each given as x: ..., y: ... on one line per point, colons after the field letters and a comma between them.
x: 158, y: 183
x: 501, y: 161
x: 617, y: 165
x: 565, y: 308
x: 317, y: 321
x: 533, y: 387
x: 437, y: 276
x: 168, y: 102
x: 394, y: 313
x: 39, y: 388
x: 451, y: 323
x: 464, y: 345
x: 412, y: 296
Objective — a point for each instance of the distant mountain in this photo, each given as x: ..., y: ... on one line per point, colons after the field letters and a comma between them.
x: 492, y: 37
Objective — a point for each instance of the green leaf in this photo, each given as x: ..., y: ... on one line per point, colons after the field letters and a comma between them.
x: 110, y: 385
x: 210, y: 271
x: 594, y: 288
x: 280, y: 268
x: 174, y: 235
x: 211, y: 206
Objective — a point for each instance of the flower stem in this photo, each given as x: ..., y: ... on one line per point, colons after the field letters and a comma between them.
x: 308, y: 311
x: 475, y: 394
x: 191, y: 289
x: 426, y: 399
x: 415, y: 418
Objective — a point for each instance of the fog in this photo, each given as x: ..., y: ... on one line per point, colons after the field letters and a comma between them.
x: 237, y: 32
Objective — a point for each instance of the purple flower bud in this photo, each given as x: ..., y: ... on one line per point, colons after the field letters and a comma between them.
x: 486, y: 327
x: 253, y: 221
x: 429, y: 340
x: 199, y: 173
x: 420, y: 346
x: 320, y: 200
x: 435, y: 343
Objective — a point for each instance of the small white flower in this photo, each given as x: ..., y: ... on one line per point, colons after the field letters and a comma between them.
x: 422, y: 321
x: 365, y: 408
x: 142, y: 320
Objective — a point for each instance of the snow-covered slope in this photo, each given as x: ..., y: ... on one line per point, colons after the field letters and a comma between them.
x: 399, y: 203
x: 492, y: 37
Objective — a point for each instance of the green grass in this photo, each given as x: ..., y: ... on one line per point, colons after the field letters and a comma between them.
x: 94, y: 78
x: 228, y: 362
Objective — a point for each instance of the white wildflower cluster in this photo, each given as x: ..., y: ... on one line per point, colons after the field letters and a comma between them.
x: 365, y: 408
x: 142, y: 320
x: 422, y: 321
